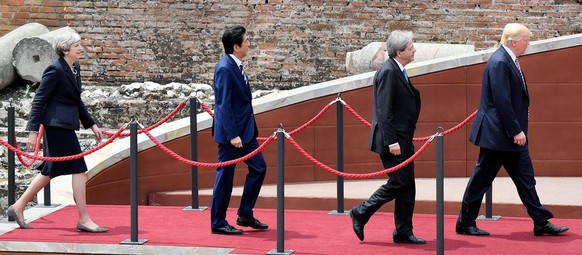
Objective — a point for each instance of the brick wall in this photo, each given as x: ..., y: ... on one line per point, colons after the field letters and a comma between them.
x: 293, y: 43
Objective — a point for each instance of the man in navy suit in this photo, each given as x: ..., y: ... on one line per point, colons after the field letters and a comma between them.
x: 500, y: 131
x: 396, y: 110
x: 235, y: 130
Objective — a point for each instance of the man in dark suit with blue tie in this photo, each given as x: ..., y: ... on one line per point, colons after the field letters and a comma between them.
x: 396, y: 110
x: 500, y: 131
x: 235, y: 130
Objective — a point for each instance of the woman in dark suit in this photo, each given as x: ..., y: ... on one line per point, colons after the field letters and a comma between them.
x: 58, y: 107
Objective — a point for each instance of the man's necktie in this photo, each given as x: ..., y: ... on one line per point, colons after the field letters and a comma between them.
x: 242, y: 70
x: 520, y: 73
x: 405, y: 75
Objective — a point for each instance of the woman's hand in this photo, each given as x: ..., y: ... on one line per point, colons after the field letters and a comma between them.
x: 97, y: 132
x: 32, y: 137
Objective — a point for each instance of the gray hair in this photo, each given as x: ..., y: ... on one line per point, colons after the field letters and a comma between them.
x: 397, y: 41
x: 64, y: 43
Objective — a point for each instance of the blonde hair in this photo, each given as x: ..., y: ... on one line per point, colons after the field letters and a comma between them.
x: 514, y: 32
x: 64, y: 43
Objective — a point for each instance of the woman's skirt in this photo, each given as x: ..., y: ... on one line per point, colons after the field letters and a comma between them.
x: 60, y: 142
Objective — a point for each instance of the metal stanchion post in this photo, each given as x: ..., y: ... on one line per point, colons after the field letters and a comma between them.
x: 194, y: 156
x: 440, y: 205
x: 133, y: 186
x: 280, y: 194
x: 489, y: 207
x: 11, y: 160
x: 340, y: 158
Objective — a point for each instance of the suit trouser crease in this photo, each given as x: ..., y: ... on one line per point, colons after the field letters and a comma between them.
x: 520, y: 169
x: 401, y: 188
x: 223, y: 185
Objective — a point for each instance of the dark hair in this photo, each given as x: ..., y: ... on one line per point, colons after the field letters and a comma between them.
x: 233, y: 36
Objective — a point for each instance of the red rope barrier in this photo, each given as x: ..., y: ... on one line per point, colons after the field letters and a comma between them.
x: 170, y: 115
x: 352, y: 175
x: 205, y: 107
x: 209, y: 165
x: 308, y: 123
x: 416, y: 139
x: 266, y: 140
x: 360, y: 118
x: 36, y: 149
x: 64, y: 158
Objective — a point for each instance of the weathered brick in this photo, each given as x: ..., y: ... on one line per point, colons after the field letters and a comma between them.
x: 307, y: 40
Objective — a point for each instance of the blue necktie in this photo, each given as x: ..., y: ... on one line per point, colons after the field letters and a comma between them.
x: 405, y: 75
x: 242, y: 70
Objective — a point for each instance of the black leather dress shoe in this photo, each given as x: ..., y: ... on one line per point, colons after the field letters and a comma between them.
x: 473, y: 231
x: 549, y: 229
x: 408, y: 239
x: 227, y: 230
x: 357, y: 226
x: 251, y: 222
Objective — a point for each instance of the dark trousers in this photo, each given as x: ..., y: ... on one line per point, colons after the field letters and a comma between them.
x: 400, y: 187
x: 222, y: 192
x: 519, y: 167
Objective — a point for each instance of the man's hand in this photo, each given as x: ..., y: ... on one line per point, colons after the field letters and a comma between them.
x: 236, y: 142
x: 395, y: 149
x: 520, y: 139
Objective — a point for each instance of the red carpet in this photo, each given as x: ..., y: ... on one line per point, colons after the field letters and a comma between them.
x: 306, y: 232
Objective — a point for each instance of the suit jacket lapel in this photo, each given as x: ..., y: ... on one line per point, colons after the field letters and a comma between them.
x: 515, y: 70
x: 69, y: 73
x: 236, y: 68
x: 401, y: 76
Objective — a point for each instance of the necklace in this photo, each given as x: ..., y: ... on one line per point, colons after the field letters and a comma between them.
x: 74, y: 71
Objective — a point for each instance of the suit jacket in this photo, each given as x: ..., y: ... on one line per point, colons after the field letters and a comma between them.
x: 504, y: 105
x: 57, y: 101
x: 396, y: 110
x: 233, y: 109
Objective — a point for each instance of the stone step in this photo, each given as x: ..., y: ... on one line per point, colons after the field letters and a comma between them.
x: 558, y: 194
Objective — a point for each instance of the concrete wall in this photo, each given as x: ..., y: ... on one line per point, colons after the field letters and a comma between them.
x: 293, y: 43
x: 448, y: 97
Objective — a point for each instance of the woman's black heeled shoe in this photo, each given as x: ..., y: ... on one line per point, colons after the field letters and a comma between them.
x: 12, y: 214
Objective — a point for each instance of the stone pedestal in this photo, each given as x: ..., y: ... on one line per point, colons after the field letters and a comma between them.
x: 373, y: 55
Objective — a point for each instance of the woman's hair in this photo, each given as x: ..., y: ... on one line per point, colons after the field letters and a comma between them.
x: 63, y: 43
x: 514, y: 32
x: 397, y: 41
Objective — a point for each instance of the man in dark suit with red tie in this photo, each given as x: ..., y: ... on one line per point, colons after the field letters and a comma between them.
x: 396, y: 110
x: 500, y: 131
x: 235, y: 130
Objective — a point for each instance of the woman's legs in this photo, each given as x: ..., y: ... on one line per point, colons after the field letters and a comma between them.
x: 78, y: 183
x: 35, y: 186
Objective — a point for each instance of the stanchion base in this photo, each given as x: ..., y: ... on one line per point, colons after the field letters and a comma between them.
x: 335, y: 212
x: 483, y: 217
x: 47, y: 206
x: 200, y: 208
x: 274, y: 251
x: 139, y: 241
